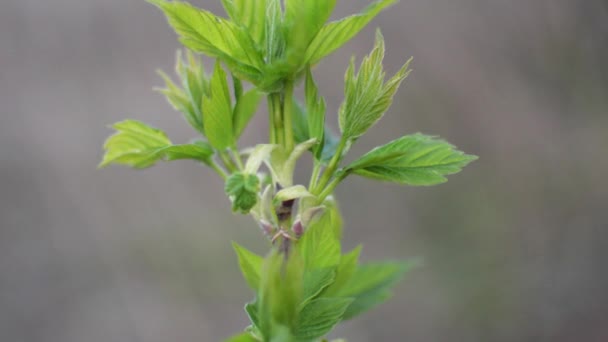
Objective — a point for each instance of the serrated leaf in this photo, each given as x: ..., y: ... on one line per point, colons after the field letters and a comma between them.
x: 277, y: 303
x: 248, y: 13
x: 242, y: 188
x: 315, y: 107
x: 204, y: 32
x: 251, y: 265
x: 319, y: 246
x: 370, y: 285
x: 315, y: 281
x: 302, y: 22
x: 134, y: 144
x: 335, y: 34
x: 246, y: 106
x: 345, y: 270
x: 217, y: 111
x: 366, y: 96
x: 415, y: 159
x: 320, y: 316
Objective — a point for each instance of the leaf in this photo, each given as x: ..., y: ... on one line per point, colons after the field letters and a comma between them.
x: 251, y: 265
x: 335, y: 34
x: 259, y: 154
x: 204, y: 32
x: 244, y: 337
x: 346, y: 268
x: 293, y: 192
x: 316, y: 114
x: 199, y: 150
x: 366, y: 96
x: 282, y: 165
x: 303, y: 20
x: 134, y: 144
x: 277, y: 303
x: 242, y: 188
x: 415, y: 159
x: 315, y: 281
x: 301, y: 133
x: 320, y: 316
x: 245, y: 109
x: 319, y: 246
x: 370, y: 285
x: 217, y: 111
x: 250, y: 14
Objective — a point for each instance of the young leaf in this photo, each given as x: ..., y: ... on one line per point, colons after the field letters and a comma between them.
x: 245, y: 108
x: 282, y: 164
x: 303, y: 20
x: 302, y: 133
x: 134, y: 144
x: 319, y: 246
x: 320, y: 316
x: 198, y: 150
x: 291, y: 193
x: 217, y: 111
x: 335, y: 34
x: 249, y: 13
x: 370, y: 285
x: 202, y: 31
x: 316, y: 114
x: 345, y: 270
x: 415, y: 159
x: 251, y: 265
x: 278, y: 303
x: 366, y: 96
x: 243, y: 191
x: 315, y: 281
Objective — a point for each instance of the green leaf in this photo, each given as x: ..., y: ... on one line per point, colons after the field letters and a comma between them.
x: 259, y: 154
x: 245, y: 108
x: 345, y: 270
x: 335, y: 34
x: 244, y: 337
x: 282, y: 164
x: 292, y: 192
x: 316, y: 114
x: 278, y: 304
x: 370, y: 285
x: 320, y: 316
x: 198, y: 150
x: 366, y: 96
x: 243, y: 191
x: 315, y: 281
x: 134, y: 144
x: 303, y: 20
x: 204, y: 32
x: 415, y: 159
x: 301, y: 133
x: 319, y: 246
x: 217, y: 111
x: 248, y: 13
x: 251, y: 265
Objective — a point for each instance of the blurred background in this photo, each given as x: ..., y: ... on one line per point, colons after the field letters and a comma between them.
x: 514, y: 248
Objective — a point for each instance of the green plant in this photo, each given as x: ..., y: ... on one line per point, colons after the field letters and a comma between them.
x: 306, y: 284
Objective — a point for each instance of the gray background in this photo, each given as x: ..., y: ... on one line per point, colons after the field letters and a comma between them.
x: 514, y: 247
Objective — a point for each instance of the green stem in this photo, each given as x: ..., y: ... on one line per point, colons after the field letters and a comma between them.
x: 220, y: 171
x: 227, y: 162
x: 288, y: 115
x: 277, y: 118
x: 272, y: 132
x: 315, y: 175
x: 330, y: 188
x: 331, y: 168
x: 237, y: 157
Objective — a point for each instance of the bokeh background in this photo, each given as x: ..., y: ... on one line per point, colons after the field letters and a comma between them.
x: 514, y: 248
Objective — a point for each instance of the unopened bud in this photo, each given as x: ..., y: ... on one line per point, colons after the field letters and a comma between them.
x: 298, y: 229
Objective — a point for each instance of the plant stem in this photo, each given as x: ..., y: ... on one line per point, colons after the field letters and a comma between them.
x: 315, y: 175
x: 272, y: 132
x: 276, y: 116
x: 329, y: 189
x: 218, y: 169
x: 237, y: 157
x: 227, y: 161
x: 331, y: 168
x: 288, y: 115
